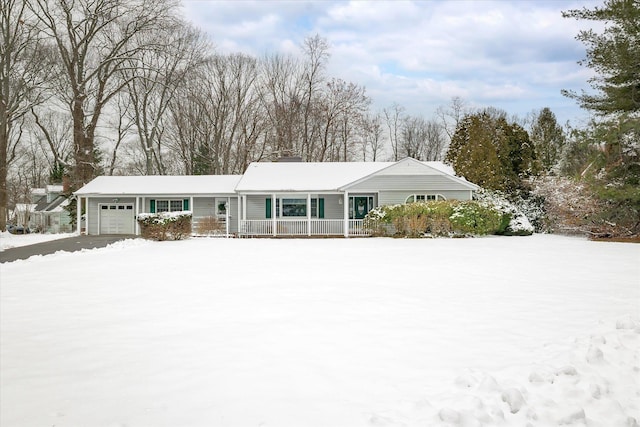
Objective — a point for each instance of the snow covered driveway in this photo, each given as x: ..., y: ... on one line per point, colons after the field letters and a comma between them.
x: 347, y: 332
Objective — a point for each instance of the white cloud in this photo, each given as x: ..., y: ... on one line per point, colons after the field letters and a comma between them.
x: 419, y: 54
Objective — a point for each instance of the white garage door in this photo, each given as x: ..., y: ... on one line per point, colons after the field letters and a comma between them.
x: 116, y: 218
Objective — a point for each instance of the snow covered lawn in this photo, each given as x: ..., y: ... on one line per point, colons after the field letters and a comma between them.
x: 8, y: 240
x: 514, y: 331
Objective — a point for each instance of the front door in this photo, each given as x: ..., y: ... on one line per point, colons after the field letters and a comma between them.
x: 360, y: 207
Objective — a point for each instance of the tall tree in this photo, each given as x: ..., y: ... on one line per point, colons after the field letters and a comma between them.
x: 548, y: 138
x: 25, y: 67
x: 421, y: 139
x: 153, y: 78
x: 316, y: 51
x: 372, y: 137
x: 393, y: 117
x: 491, y: 152
x: 613, y: 54
x: 95, y: 40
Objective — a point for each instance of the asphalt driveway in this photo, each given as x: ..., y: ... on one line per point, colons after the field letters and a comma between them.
x: 70, y: 244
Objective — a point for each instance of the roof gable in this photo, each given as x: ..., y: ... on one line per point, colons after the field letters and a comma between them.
x: 410, y: 166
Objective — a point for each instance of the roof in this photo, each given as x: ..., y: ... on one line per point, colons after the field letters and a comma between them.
x: 160, y: 184
x: 305, y: 176
x: 323, y: 176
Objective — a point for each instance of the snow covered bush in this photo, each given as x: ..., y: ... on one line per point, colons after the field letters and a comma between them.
x: 471, y: 217
x: 516, y: 222
x: 165, y: 225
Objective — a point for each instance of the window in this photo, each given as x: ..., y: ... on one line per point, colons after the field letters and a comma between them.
x: 168, y: 205
x: 424, y: 198
x: 295, y: 207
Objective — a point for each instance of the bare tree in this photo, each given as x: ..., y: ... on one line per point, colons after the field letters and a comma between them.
x: 421, y: 139
x: 281, y: 97
x: 52, y: 131
x: 24, y: 69
x: 452, y: 115
x: 372, y: 137
x: 316, y: 50
x: 153, y: 78
x: 393, y: 116
x: 122, y: 124
x: 95, y: 41
x: 218, y: 121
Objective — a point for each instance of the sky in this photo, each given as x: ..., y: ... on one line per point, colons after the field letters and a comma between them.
x: 513, y: 55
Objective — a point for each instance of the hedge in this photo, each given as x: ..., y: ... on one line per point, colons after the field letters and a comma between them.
x: 437, y: 218
x: 165, y: 225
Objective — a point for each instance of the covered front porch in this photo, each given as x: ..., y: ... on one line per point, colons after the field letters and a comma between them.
x: 304, y: 214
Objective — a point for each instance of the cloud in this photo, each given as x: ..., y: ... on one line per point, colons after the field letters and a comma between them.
x: 419, y: 53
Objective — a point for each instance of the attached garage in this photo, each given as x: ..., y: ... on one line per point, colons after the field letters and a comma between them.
x: 110, y: 204
x: 116, y: 218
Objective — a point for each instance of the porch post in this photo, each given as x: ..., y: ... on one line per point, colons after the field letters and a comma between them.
x: 345, y: 204
x: 226, y: 214
x: 308, y: 214
x: 136, y: 225
x: 79, y: 215
x: 86, y: 217
x: 273, y: 215
x: 240, y: 218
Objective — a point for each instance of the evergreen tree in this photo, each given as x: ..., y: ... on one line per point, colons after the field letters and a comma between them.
x: 491, y: 152
x: 614, y: 55
x: 548, y: 138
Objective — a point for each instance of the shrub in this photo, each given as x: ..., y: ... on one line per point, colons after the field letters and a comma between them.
x: 437, y: 218
x: 471, y: 217
x: 209, y: 225
x: 165, y: 225
x: 516, y: 211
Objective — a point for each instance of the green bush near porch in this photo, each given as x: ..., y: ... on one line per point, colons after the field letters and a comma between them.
x: 437, y: 218
x: 165, y: 225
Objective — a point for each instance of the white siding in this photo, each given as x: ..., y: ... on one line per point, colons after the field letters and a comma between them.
x: 203, y: 207
x: 399, y: 197
x: 410, y: 183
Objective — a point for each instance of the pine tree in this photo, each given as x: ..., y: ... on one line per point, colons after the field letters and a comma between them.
x: 614, y: 55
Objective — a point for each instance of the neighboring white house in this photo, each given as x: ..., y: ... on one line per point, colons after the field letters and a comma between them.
x: 273, y: 199
x: 46, y: 211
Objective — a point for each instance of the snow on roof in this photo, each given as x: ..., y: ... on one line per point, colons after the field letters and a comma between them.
x: 322, y: 176
x: 161, y: 184
x: 305, y: 176
x: 38, y: 191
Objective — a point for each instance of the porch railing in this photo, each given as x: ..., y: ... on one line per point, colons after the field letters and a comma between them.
x: 300, y: 227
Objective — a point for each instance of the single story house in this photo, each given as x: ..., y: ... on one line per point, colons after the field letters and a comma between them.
x: 273, y: 199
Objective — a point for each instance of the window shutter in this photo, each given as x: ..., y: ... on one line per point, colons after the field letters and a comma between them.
x: 185, y: 205
x: 267, y: 210
x: 321, y: 208
x: 152, y: 206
